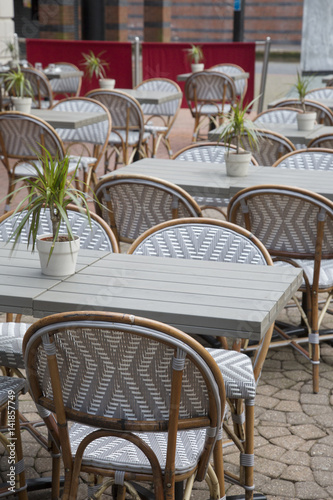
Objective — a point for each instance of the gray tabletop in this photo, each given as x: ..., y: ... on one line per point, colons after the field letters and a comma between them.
x: 210, y: 179
x: 51, y: 75
x: 152, y: 96
x: 288, y: 130
x: 196, y: 296
x: 68, y: 119
x: 239, y: 76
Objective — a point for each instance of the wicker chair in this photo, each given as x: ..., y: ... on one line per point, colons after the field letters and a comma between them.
x: 307, y: 159
x: 134, y: 390
x: 231, y: 70
x: 131, y: 204
x: 321, y: 93
x: 207, y: 152
x: 41, y: 87
x: 322, y: 141
x: 209, y: 94
x: 95, y: 135
x: 277, y: 115
x: 270, y: 148
x: 207, y: 239
x: 324, y: 114
x: 128, y: 137
x: 10, y: 389
x: 296, y: 226
x: 160, y: 118
x: 69, y: 86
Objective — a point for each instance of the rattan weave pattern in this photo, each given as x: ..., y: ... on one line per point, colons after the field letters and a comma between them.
x: 202, y: 242
x: 69, y: 85
x: 324, y: 114
x: 10, y: 383
x: 11, y: 336
x: 297, y: 233
x: 231, y: 70
x: 308, y: 160
x: 41, y: 88
x: 325, y: 274
x: 167, y: 108
x: 209, y: 86
x: 321, y: 93
x: 277, y: 115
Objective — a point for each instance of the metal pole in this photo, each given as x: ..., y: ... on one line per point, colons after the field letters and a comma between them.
x: 239, y: 8
x: 264, y: 74
x: 137, y: 72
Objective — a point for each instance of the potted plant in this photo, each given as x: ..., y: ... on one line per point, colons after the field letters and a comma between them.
x: 51, y: 189
x: 306, y: 119
x: 237, y: 162
x: 95, y: 66
x: 12, y: 50
x: 20, y: 88
x: 196, y: 57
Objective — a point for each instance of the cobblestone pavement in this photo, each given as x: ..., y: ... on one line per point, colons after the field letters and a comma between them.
x: 293, y: 426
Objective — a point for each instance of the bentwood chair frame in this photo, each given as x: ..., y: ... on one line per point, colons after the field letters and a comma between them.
x: 324, y: 114
x: 209, y: 95
x: 307, y: 159
x: 209, y: 239
x: 208, y: 152
x: 131, y: 204
x: 59, y: 345
x: 69, y: 86
x: 320, y: 93
x: 230, y: 70
x: 322, y: 141
x: 41, y: 87
x: 296, y: 227
x: 271, y: 147
x: 96, y: 135
x: 277, y: 115
x: 128, y: 137
x: 160, y: 118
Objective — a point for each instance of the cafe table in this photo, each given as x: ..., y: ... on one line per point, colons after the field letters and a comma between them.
x: 199, y: 297
x: 152, y: 96
x: 68, y: 119
x: 288, y: 130
x: 239, y: 76
x: 57, y: 73
x: 210, y: 179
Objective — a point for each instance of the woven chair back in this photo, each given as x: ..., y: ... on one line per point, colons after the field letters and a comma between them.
x: 205, y: 152
x: 21, y: 136
x: 270, y: 148
x: 231, y: 70
x: 95, y: 133
x: 324, y: 114
x: 307, y: 159
x: 322, y: 141
x: 41, y: 87
x: 290, y: 222
x: 321, y: 93
x: 277, y: 115
x: 71, y: 85
x: 131, y: 204
x: 209, y: 87
x: 169, y: 108
x: 94, y: 235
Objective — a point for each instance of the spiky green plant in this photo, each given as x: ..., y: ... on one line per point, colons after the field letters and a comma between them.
x: 195, y: 54
x: 237, y: 124
x: 93, y: 65
x: 52, y: 187
x: 15, y: 82
x: 301, y: 86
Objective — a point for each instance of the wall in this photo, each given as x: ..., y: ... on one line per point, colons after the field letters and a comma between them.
x: 6, y: 27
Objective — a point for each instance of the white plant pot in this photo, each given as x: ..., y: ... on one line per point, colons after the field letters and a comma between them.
x: 306, y: 121
x: 107, y: 83
x: 237, y: 164
x: 63, y: 258
x: 22, y: 104
x: 197, y: 67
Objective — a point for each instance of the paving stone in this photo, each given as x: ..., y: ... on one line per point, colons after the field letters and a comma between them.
x: 322, y: 463
x: 43, y: 464
x: 274, y: 416
x: 269, y: 467
x: 323, y: 478
x: 266, y: 401
x: 308, y: 431
x: 289, y: 406
x: 298, y: 418
x: 289, y: 443
x: 310, y: 491
x: 266, y: 390
x: 314, y: 399
x: 317, y: 409
x: 273, y: 432
x: 271, y: 364
x: 270, y: 451
x: 326, y: 422
x: 307, y: 445
x: 328, y: 440
x: 297, y: 473
x: 292, y: 365
x: 298, y: 375
x: 296, y: 458
x: 285, y: 489
x: 288, y: 395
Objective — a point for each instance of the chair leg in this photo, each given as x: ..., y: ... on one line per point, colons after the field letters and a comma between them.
x: 247, y: 460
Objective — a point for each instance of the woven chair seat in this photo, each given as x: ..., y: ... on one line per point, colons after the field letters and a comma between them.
x: 132, y: 137
x: 237, y: 372
x: 84, y: 161
x: 325, y: 275
x: 13, y: 384
x: 26, y: 169
x: 211, y: 109
x: 11, y: 336
x: 149, y: 127
x: 210, y: 200
x: 123, y: 455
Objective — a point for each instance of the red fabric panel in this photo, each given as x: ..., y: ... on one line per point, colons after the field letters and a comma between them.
x: 168, y: 60
x: 117, y: 54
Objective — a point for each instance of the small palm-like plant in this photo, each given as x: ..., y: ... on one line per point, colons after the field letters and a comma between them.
x: 237, y: 124
x: 52, y: 187
x: 93, y: 65
x: 16, y: 83
x: 301, y: 86
x: 195, y: 54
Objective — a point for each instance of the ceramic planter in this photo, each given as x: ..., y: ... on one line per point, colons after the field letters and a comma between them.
x: 197, y: 67
x: 22, y: 104
x: 306, y: 121
x: 107, y: 83
x: 237, y: 164
x: 63, y: 258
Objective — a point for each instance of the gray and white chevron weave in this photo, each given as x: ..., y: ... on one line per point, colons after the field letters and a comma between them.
x: 308, y: 160
x: 277, y: 115
x: 10, y: 383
